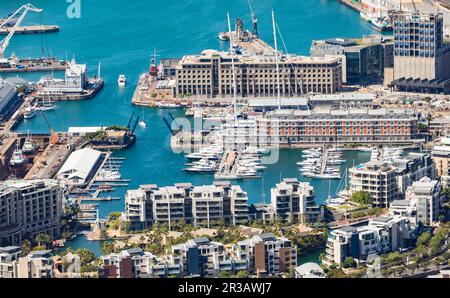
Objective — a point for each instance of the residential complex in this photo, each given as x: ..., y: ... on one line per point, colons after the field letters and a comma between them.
x: 28, y: 208
x: 421, y: 58
x: 294, y: 201
x: 381, y: 235
x: 198, y: 205
x: 263, y: 255
x: 210, y: 74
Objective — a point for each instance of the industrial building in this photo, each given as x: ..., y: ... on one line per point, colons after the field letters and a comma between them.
x: 9, y: 99
x: 80, y: 167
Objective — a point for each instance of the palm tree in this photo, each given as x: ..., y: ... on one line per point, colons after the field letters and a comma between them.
x: 43, y: 239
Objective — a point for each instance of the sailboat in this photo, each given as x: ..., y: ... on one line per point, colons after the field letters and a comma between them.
x: 142, y: 121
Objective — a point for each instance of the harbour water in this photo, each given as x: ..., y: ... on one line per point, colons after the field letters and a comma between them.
x: 111, y: 32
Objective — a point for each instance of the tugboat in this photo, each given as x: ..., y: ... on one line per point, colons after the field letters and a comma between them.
x: 223, y: 36
x: 17, y: 159
x: 28, y: 146
x: 381, y: 24
x: 366, y: 17
x: 122, y: 80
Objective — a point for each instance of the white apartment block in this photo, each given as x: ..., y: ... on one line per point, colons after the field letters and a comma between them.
x: 207, y: 204
x: 425, y: 194
x: 378, y: 178
x: 294, y: 201
x: 37, y: 264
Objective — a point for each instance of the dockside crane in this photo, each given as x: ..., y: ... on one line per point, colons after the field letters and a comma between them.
x: 53, y: 135
x: 22, y: 11
x: 254, y: 20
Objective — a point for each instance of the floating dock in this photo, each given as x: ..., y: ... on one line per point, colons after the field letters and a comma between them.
x: 30, y: 29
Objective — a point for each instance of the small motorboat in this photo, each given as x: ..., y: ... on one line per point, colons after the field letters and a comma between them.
x: 223, y: 36
x: 122, y: 80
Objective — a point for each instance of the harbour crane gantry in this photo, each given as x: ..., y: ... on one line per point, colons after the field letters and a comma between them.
x: 23, y: 10
x: 254, y: 20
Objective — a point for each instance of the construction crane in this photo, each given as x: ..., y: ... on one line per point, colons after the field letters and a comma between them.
x: 53, y: 135
x: 22, y: 11
x: 254, y: 21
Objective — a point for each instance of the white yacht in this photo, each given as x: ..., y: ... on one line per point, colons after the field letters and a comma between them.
x: 122, y: 80
x: 29, y: 113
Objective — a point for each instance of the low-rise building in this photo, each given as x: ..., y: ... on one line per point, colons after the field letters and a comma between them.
x: 9, y: 256
x: 80, y: 167
x: 37, y: 264
x: 28, y: 208
x: 309, y: 270
x: 294, y: 201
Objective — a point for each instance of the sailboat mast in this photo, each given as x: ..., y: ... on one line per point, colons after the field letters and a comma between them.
x: 233, y: 70
x: 276, y: 60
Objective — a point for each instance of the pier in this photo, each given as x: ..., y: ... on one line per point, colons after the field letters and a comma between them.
x: 252, y: 44
x: 352, y: 4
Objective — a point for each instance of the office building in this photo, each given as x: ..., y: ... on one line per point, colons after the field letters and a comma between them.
x: 28, y: 208
x: 294, y: 201
x: 421, y: 58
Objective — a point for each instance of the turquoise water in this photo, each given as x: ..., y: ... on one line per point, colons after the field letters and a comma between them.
x: 122, y: 34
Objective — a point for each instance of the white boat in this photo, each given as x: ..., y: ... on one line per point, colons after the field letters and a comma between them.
x: 200, y: 169
x: 122, y: 80
x: 223, y: 36
x: 29, y: 113
x: 326, y: 176
x: 17, y: 159
x: 28, y: 146
x: 108, y: 175
x: 365, y: 16
x: 381, y: 24
x: 142, y: 121
x: 164, y: 105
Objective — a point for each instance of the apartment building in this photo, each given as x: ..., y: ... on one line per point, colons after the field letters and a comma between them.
x: 294, y: 201
x: 210, y: 74
x: 376, y: 177
x: 197, y: 205
x: 134, y: 263
x: 381, y: 235
x: 441, y: 157
x: 412, y: 168
x: 420, y: 55
x: 425, y: 194
x: 328, y: 126
x: 9, y: 257
x: 204, y: 258
x: 28, y: 208
x: 37, y: 264
x: 267, y: 255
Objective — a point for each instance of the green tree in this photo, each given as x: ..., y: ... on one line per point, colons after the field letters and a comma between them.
x: 361, y: 197
x: 349, y: 262
x: 242, y: 274
x: 43, y: 240
x: 224, y: 274
x: 26, y: 247
x: 423, y: 239
x: 86, y: 256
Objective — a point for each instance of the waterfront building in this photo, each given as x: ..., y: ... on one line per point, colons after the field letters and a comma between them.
x: 210, y: 74
x: 381, y: 235
x: 376, y: 177
x: 342, y: 101
x: 80, y: 167
x: 267, y: 255
x: 294, y: 201
x: 197, y: 205
x: 309, y: 270
x: 37, y: 264
x: 421, y: 58
x: 8, y: 99
x: 327, y: 126
x: 441, y: 157
x: 75, y: 81
x: 134, y: 263
x: 28, y: 208
x: 364, y: 59
x: 426, y: 195
x: 202, y: 257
